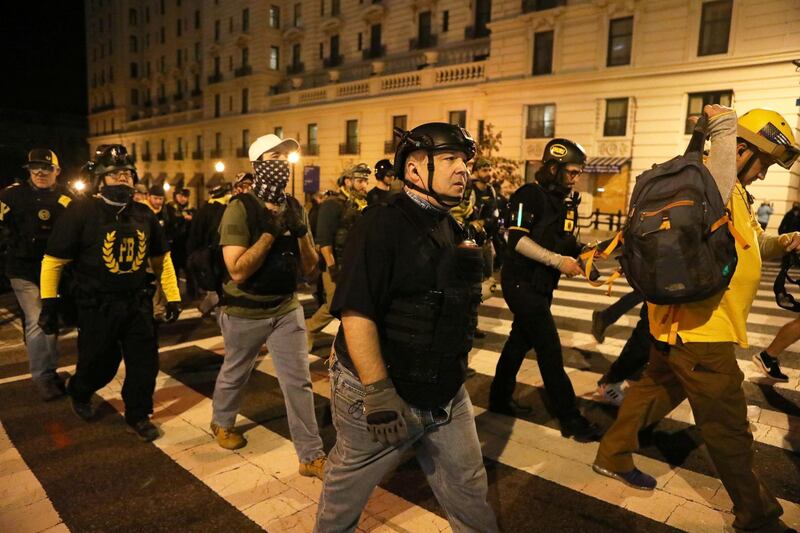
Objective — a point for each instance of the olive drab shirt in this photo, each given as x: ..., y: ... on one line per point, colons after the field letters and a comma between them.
x: 109, y: 245
x: 29, y: 214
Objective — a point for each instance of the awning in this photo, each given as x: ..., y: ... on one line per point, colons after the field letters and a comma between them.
x: 605, y: 165
x: 196, y: 180
x: 177, y: 178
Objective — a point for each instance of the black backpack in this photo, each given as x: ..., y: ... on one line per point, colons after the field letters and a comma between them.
x: 678, y: 241
x: 205, y: 263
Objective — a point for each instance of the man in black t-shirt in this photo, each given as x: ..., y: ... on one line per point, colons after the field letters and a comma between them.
x: 28, y: 212
x: 541, y: 246
x: 109, y: 238
x: 384, y: 175
x: 408, y: 307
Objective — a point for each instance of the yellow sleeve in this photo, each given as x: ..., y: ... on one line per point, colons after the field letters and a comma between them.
x: 165, y: 272
x: 51, y: 275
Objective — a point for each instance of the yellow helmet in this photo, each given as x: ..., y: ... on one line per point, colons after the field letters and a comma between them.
x: 771, y: 134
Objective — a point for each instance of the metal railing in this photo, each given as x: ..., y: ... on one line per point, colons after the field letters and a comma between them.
x: 310, y: 149
x: 600, y: 220
x: 349, y: 148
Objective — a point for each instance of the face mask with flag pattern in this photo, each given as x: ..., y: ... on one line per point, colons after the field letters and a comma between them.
x: 270, y: 180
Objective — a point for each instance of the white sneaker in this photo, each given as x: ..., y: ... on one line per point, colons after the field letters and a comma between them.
x: 610, y: 393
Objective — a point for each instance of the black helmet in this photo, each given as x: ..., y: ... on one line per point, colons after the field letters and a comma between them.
x: 382, y: 167
x: 782, y: 296
x: 109, y: 158
x: 432, y: 137
x: 564, y: 152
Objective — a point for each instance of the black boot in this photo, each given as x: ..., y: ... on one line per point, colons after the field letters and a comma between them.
x: 580, y: 429
x: 510, y: 407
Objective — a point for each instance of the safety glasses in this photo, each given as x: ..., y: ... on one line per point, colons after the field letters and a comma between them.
x: 41, y: 168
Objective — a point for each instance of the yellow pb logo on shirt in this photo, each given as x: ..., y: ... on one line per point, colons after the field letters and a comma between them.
x: 125, y: 251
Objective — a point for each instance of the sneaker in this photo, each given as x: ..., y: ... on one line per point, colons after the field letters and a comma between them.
x: 50, y: 388
x: 315, y: 468
x: 635, y: 478
x: 228, y: 438
x: 580, y: 429
x: 610, y: 393
x: 770, y: 367
x: 145, y: 430
x: 598, y: 327
x: 84, y: 410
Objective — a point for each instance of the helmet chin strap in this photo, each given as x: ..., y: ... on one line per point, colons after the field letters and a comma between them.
x: 445, y: 200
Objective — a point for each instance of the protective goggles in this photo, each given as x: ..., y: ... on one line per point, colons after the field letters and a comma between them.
x: 784, y: 154
x: 43, y: 168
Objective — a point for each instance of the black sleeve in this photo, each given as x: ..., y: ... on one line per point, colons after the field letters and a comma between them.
x: 365, y: 278
x: 522, y: 207
x: 158, y: 239
x: 65, y: 239
x: 330, y: 212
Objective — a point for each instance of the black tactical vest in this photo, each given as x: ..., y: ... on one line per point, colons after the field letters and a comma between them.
x: 427, y: 335
x: 278, y: 274
x: 33, y: 212
x: 350, y: 215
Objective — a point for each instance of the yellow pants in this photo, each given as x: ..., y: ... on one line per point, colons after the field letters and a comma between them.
x: 708, y: 375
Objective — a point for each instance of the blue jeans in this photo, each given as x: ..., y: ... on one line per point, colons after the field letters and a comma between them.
x: 444, y: 441
x: 42, y: 352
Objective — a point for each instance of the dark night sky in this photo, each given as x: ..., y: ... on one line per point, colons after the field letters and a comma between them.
x: 42, y: 50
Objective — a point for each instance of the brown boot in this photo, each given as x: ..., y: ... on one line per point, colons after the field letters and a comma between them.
x: 228, y: 438
x: 315, y: 468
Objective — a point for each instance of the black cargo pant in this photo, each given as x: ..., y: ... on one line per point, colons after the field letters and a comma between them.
x: 634, y: 355
x: 533, y: 327
x: 110, y: 329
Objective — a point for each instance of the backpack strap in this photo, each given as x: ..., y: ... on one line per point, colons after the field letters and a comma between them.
x: 588, y: 258
x: 674, y: 322
x: 727, y: 220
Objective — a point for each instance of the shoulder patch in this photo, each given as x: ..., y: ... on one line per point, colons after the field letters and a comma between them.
x: 64, y: 200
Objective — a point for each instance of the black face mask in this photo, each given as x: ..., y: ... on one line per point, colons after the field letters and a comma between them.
x: 117, y: 194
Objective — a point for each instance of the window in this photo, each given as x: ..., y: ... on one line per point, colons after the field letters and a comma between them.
x: 424, y: 33
x: 180, y: 146
x: 198, y: 143
x: 543, y: 53
x: 698, y: 100
x: 216, y: 30
x: 197, y: 20
x: 216, y: 105
x: 351, y: 137
x: 133, y: 44
x: 481, y: 131
x: 245, y: 57
x: 360, y: 45
x: 297, y: 19
x: 178, y: 27
x: 278, y: 131
x: 274, y: 17
x: 197, y: 51
x: 321, y: 50
x: 540, y: 5
x: 134, y: 96
x: 245, y: 100
x: 133, y: 151
x: 321, y: 8
x: 216, y: 66
x: 296, y: 55
x: 483, y: 14
x: 459, y: 118
x: 715, y: 27
x: 398, y: 122
x: 541, y: 121
x: 147, y: 15
x: 334, y: 51
x: 133, y: 18
x: 162, y: 35
x: 336, y: 8
x: 616, y: 123
x: 134, y: 70
x: 178, y: 58
x: 620, y: 37
x: 274, y: 57
x: 245, y: 19
x: 375, y: 39
x: 161, y: 7
x: 245, y: 139
x: 312, y: 134
x: 445, y: 21
x: 218, y: 142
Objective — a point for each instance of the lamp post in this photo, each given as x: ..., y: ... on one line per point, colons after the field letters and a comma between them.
x: 294, y: 157
x: 219, y: 166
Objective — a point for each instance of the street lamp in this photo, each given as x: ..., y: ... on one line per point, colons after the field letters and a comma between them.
x: 294, y: 157
x: 79, y: 185
x: 166, y: 187
x: 219, y: 166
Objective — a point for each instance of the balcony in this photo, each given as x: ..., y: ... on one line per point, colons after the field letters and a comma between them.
x: 241, y: 152
x: 147, y: 157
x: 310, y: 149
x: 196, y: 93
x: 215, y: 78
x: 162, y: 100
x: 244, y: 70
x: 350, y: 148
x: 389, y: 147
x: 197, y: 155
x: 177, y: 97
x: 529, y: 6
x: 295, y: 68
x: 161, y: 157
x: 471, y: 32
x: 374, y: 53
x: 216, y: 152
x: 333, y: 61
x: 104, y: 107
x: 148, y: 103
x: 422, y: 42
x: 177, y: 156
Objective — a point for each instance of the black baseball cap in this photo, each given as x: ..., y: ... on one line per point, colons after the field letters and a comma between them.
x: 41, y: 156
x: 157, y: 190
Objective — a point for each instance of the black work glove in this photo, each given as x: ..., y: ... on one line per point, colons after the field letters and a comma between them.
x: 333, y: 272
x: 172, y: 312
x: 294, y: 223
x: 268, y: 224
x: 386, y: 412
x: 48, y: 318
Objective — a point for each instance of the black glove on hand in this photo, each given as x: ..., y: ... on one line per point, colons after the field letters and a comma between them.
x: 48, y: 318
x: 172, y: 312
x: 333, y: 272
x: 268, y: 224
x: 294, y: 223
x: 386, y: 412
